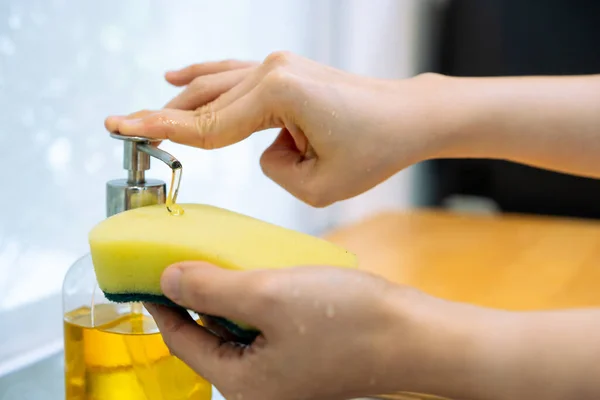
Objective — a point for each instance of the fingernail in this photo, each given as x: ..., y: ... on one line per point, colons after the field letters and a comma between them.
x: 131, y: 122
x: 170, y: 282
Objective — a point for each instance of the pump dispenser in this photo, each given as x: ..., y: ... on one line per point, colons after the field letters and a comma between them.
x: 136, y: 190
x: 115, y: 351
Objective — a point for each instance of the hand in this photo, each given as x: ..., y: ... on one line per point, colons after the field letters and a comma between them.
x: 341, y: 134
x: 327, y: 333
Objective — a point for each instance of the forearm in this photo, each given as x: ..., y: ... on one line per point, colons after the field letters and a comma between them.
x: 549, y: 355
x: 548, y: 122
x: 461, y: 351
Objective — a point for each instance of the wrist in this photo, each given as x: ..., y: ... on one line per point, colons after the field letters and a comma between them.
x: 465, y: 113
x: 444, y: 115
x: 443, y: 348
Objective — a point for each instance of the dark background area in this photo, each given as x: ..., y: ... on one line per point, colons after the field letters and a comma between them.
x: 511, y: 38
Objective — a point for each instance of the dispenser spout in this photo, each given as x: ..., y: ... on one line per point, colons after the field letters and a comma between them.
x: 162, y: 155
x: 136, y: 190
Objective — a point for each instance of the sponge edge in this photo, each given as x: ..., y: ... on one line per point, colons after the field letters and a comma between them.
x: 241, y: 333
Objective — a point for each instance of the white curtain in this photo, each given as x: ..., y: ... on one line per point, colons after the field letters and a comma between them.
x: 66, y: 64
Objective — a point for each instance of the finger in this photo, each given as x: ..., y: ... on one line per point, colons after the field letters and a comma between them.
x: 188, y: 341
x: 257, y: 79
x: 248, y: 84
x: 205, y: 128
x: 185, y: 75
x: 292, y: 163
x: 217, y: 329
x: 216, y: 291
x: 111, y: 123
x: 204, y: 89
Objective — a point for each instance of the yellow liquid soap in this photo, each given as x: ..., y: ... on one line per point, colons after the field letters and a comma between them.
x: 124, y: 358
x: 174, y: 208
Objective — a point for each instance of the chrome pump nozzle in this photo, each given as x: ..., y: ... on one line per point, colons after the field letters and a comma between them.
x: 136, y: 190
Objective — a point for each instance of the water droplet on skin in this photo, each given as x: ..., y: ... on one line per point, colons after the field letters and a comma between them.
x: 333, y: 114
x: 302, y: 329
x: 368, y: 169
x: 305, y: 102
x: 372, y: 382
x: 302, y: 182
x: 330, y: 312
x: 329, y: 132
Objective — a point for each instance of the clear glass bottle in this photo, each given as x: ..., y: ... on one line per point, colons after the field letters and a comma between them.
x: 115, y: 351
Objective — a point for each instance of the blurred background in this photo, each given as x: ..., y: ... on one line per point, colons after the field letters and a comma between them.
x: 65, y: 65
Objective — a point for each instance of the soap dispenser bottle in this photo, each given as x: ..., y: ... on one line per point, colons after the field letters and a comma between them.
x: 115, y: 351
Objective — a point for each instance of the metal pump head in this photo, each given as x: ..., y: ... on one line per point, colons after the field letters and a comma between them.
x: 137, y: 191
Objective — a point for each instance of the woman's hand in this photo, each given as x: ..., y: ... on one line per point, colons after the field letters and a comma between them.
x: 335, y: 334
x: 316, y: 342
x: 327, y: 333
x: 341, y: 134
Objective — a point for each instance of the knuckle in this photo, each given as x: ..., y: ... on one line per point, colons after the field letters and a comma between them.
x: 316, y: 198
x: 267, y: 289
x: 277, y: 78
x: 204, y: 123
x: 278, y: 83
x: 279, y: 59
x: 267, y: 166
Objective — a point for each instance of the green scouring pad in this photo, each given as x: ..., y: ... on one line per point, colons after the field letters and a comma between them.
x: 240, y: 334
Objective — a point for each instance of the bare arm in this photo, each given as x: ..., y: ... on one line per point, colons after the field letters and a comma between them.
x: 549, y: 355
x: 469, y: 352
x: 547, y: 122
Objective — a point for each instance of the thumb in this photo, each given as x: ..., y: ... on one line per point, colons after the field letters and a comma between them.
x: 209, y: 127
x: 292, y: 163
x: 211, y: 290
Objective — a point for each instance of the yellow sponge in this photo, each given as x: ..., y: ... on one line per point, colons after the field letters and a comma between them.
x: 130, y: 250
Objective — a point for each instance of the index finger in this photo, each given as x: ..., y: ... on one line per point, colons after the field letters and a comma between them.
x: 205, y: 128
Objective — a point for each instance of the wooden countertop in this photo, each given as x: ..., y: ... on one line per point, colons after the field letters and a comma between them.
x: 508, y: 261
